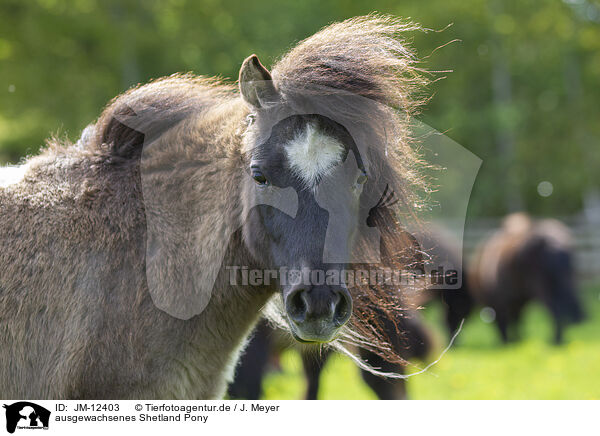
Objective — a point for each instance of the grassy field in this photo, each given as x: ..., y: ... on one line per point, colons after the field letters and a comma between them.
x: 479, y: 367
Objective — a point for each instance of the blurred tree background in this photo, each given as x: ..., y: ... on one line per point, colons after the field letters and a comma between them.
x: 523, y: 94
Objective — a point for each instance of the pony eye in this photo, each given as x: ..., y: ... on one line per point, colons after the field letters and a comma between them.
x: 259, y: 177
x: 362, y: 179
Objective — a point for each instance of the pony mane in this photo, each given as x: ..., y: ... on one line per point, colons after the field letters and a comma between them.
x: 146, y: 111
x: 365, y: 56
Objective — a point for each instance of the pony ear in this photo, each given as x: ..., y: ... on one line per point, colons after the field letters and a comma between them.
x: 256, y: 83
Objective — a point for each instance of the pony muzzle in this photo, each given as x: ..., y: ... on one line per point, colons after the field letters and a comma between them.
x: 317, y: 313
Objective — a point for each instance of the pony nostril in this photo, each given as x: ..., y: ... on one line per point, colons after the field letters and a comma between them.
x: 343, y: 308
x: 296, y: 306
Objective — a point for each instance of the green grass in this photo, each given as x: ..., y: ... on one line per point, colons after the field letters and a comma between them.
x: 479, y: 367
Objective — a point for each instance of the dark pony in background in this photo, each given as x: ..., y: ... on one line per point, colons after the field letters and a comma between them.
x: 527, y: 261
x: 267, y: 344
x: 114, y: 250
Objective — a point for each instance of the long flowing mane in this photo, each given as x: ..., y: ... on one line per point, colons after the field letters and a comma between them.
x: 366, y: 56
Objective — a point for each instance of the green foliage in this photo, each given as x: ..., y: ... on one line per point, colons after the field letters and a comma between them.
x: 523, y: 95
x: 479, y: 368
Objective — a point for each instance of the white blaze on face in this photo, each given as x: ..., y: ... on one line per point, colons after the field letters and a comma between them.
x: 12, y: 174
x: 312, y: 153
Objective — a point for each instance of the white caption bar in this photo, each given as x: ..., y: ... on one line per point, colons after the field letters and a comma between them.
x: 307, y: 418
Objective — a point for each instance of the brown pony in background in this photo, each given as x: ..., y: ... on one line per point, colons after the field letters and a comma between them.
x: 524, y: 261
